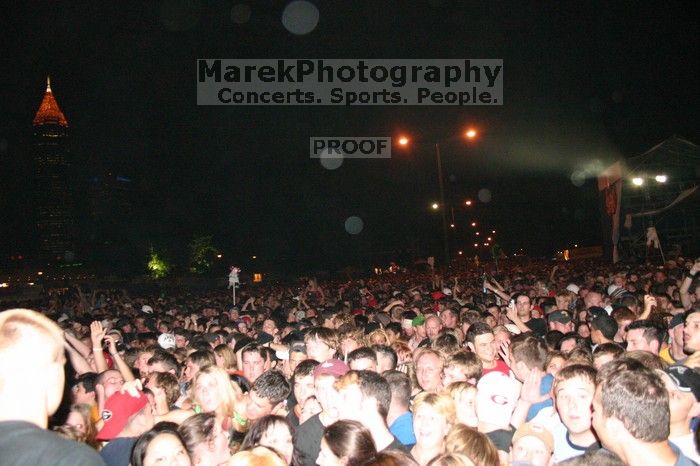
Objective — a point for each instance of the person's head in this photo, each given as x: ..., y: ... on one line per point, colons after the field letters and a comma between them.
x: 83, y: 391
x: 450, y: 459
x: 623, y: 317
x: 433, y: 417
x: 273, y: 432
x: 166, y: 382
x: 365, y: 396
x: 225, y: 357
x: 449, y: 318
x: 691, y: 332
x: 195, y: 362
x: 297, y: 354
x: 325, y: 376
x: 268, y: 392
x: 683, y: 386
x: 603, y: 329
x: 362, y: 359
x: 255, y: 361
x: 605, y: 353
x: 571, y: 340
x: 258, y: 456
x: 630, y: 406
x: 156, y: 447
x: 346, y: 443
x: 387, y: 359
x: 561, y: 321
x: 472, y: 443
x: 464, y: 396
x: 645, y: 335
x: 594, y: 297
x: 400, y: 386
x: 213, y: 391
x: 523, y: 306
x: 111, y: 380
x: 31, y: 345
x: 204, y: 438
x: 532, y: 444
x: 321, y: 343
x: 182, y: 337
x: 480, y: 339
x: 463, y: 366
x: 574, y: 387
x: 526, y: 353
x: 555, y: 361
x: 162, y: 361
x: 270, y: 327
x: 80, y: 418
x: 433, y: 326
x: 303, y: 380
x: 429, y: 366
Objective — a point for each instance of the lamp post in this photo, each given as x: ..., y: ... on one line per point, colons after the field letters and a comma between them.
x: 469, y: 134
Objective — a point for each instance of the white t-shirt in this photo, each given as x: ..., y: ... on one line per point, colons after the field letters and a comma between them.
x: 563, y: 448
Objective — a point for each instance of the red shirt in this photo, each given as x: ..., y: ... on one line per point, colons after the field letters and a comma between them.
x: 500, y: 367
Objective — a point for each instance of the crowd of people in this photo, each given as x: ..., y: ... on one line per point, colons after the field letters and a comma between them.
x: 538, y: 364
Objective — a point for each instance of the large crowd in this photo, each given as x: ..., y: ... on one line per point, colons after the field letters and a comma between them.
x: 542, y: 363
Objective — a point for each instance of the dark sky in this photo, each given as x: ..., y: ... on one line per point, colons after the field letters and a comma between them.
x: 585, y: 83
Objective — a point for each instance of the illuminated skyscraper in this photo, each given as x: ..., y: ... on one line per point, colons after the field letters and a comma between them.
x: 55, y: 219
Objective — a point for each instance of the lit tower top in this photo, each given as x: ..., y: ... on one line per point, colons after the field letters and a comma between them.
x: 49, y: 113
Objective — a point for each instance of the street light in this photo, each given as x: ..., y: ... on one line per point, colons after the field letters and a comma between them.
x: 471, y: 133
x: 637, y: 181
x: 661, y: 178
x: 435, y: 206
x: 468, y: 203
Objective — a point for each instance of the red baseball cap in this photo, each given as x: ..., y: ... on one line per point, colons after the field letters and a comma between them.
x: 117, y: 411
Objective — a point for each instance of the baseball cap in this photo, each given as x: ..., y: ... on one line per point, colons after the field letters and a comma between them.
x: 146, y: 309
x: 334, y: 367
x: 685, y: 379
x: 675, y: 320
x: 418, y: 320
x: 496, y: 396
x: 573, y: 288
x: 560, y: 316
x: 166, y: 341
x: 117, y: 411
x: 531, y: 429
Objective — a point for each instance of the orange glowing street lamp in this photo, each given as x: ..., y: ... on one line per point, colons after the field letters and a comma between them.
x: 403, y: 140
x: 468, y: 203
x: 471, y: 133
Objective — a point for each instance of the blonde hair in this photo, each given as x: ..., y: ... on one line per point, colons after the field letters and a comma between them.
x: 451, y: 459
x: 258, y: 456
x: 226, y: 353
x: 476, y: 445
x: 379, y: 335
x: 228, y: 391
x: 441, y: 403
x: 19, y: 329
x: 455, y: 389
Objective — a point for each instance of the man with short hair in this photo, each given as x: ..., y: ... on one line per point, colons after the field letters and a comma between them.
x: 365, y: 397
x: 462, y: 366
x: 449, y: 318
x: 399, y: 418
x: 255, y: 361
x: 645, y: 335
x: 631, y: 416
x: 603, y: 330
x: 429, y: 365
x: 433, y: 327
x: 386, y: 358
x: 268, y: 395
x: 691, y: 333
x: 674, y: 353
x: 561, y: 321
x: 683, y: 385
x: 570, y: 423
x: 31, y: 388
x: 362, y: 359
x: 528, y: 356
x: 533, y: 445
x: 481, y: 341
x: 302, y: 389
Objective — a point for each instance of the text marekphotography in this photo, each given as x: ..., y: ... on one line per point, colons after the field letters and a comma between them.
x: 350, y: 82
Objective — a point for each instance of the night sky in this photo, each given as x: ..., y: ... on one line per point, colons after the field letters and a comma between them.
x: 585, y: 83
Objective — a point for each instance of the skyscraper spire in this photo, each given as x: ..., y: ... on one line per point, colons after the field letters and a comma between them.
x: 49, y: 112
